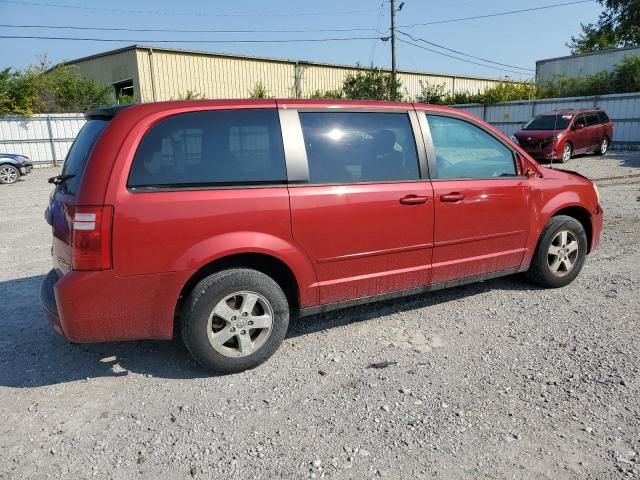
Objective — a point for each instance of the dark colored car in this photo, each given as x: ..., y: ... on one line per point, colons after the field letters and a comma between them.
x: 13, y: 166
x: 560, y: 134
x: 224, y: 218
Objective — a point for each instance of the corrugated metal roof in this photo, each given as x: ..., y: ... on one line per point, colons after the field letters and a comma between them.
x: 599, y: 52
x: 270, y: 59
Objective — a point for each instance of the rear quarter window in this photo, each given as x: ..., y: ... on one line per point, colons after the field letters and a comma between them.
x: 211, y: 148
x: 79, y: 154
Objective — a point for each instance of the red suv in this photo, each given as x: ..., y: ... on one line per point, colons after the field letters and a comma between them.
x: 226, y: 217
x: 560, y: 134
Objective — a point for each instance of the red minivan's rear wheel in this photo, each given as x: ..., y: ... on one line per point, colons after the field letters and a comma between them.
x: 560, y: 253
x: 235, y: 320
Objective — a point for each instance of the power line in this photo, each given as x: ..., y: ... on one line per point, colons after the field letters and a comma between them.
x: 416, y: 39
x: 177, y: 30
x: 489, y: 15
x: 130, y: 40
x: 457, y: 58
x: 374, y: 44
x: 188, y: 14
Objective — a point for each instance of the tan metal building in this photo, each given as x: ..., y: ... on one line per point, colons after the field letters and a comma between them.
x: 156, y: 74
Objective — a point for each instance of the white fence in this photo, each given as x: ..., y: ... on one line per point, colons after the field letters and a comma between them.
x: 45, y: 139
x: 623, y: 109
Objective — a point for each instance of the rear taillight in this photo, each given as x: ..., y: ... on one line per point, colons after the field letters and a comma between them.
x: 91, y: 238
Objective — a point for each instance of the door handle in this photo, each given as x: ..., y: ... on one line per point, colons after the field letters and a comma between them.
x: 452, y: 197
x: 413, y: 200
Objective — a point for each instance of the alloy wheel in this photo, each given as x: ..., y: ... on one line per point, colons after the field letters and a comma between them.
x: 604, y: 146
x: 8, y: 174
x: 562, y: 253
x: 240, y: 324
x: 566, y: 153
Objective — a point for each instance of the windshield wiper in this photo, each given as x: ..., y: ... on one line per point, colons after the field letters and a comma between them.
x: 58, y: 179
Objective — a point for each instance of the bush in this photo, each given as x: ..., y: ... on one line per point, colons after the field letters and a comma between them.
x: 259, y: 91
x: 327, y: 94
x: 373, y: 84
x: 432, y: 93
x: 124, y: 99
x: 190, y: 95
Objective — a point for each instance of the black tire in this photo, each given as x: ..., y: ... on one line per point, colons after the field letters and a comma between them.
x: 569, y: 147
x: 212, y: 290
x: 604, y: 146
x: 540, y: 271
x: 9, y: 174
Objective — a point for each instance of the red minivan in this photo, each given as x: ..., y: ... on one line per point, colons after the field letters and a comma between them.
x: 561, y: 134
x: 223, y: 218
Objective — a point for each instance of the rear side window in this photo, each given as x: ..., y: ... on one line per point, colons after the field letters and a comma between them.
x: 466, y: 151
x: 79, y: 153
x: 592, y: 119
x: 603, y: 117
x: 211, y: 148
x: 354, y: 147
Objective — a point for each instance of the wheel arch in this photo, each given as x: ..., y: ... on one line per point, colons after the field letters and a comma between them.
x: 268, y: 264
x: 582, y: 215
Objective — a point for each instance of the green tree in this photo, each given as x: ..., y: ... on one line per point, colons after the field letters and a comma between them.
x: 617, y: 26
x: 18, y: 92
x: 64, y: 89
x: 626, y: 75
x: 38, y: 89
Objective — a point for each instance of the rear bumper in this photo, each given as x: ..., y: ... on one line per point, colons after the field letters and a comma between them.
x: 99, y: 306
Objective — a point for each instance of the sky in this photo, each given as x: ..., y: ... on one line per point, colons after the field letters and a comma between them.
x: 516, y: 40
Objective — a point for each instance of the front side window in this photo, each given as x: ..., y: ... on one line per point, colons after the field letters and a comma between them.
x: 466, y: 151
x: 355, y: 147
x: 212, y: 147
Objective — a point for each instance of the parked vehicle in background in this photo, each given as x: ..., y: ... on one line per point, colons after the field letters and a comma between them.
x: 13, y: 166
x: 228, y: 216
x: 560, y: 134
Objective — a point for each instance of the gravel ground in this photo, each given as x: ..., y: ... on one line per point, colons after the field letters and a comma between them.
x: 487, y: 381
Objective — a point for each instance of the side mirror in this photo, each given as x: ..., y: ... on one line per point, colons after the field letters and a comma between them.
x: 578, y: 126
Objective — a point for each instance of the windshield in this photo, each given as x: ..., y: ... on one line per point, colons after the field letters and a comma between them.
x: 548, y: 122
x: 79, y: 153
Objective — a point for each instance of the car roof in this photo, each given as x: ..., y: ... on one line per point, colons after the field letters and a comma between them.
x: 571, y: 111
x: 181, y: 105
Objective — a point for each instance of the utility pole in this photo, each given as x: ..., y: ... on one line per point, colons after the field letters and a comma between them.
x: 393, y: 39
x: 394, y: 69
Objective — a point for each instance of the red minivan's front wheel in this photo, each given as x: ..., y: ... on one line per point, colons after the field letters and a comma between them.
x: 567, y: 152
x: 560, y: 253
x: 604, y: 146
x: 235, y: 320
